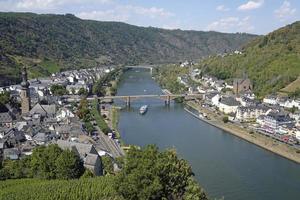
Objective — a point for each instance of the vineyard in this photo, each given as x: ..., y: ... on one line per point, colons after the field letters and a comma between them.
x: 90, y: 188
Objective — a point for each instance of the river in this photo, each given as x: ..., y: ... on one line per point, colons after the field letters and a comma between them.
x: 226, y: 166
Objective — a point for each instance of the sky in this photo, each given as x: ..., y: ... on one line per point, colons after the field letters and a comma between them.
x: 251, y: 16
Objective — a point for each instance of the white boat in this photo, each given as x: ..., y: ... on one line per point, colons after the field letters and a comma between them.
x: 143, y: 109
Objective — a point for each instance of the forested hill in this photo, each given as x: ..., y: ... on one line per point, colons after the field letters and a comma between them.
x: 48, y: 43
x: 271, y: 62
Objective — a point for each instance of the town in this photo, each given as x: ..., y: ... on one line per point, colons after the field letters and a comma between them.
x: 274, y: 116
x: 46, y: 117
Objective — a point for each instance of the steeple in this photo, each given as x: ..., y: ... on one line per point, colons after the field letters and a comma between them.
x: 25, y: 83
x: 25, y: 96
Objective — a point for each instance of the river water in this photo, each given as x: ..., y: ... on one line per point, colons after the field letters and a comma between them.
x: 225, y: 165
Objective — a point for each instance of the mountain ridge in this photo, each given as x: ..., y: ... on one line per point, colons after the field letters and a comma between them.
x: 48, y: 43
x: 271, y: 62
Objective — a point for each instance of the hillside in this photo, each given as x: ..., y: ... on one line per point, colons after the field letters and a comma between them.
x: 49, y: 43
x: 271, y: 62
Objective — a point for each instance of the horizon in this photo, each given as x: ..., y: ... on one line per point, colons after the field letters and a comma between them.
x: 258, y: 17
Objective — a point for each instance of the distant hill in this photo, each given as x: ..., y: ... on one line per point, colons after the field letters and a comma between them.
x: 49, y: 43
x: 271, y: 62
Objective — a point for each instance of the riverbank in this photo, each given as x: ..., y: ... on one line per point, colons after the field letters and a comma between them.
x: 258, y: 139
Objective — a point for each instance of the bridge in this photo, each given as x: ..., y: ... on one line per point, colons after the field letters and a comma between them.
x: 150, y: 67
x: 129, y: 98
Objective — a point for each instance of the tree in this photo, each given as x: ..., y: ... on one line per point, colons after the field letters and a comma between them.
x: 43, y: 161
x: 82, y: 91
x: 225, y: 119
x: 150, y: 174
x: 68, y: 165
x: 107, y: 162
x: 89, y: 127
x: 4, y: 97
x: 83, y: 110
x: 58, y: 90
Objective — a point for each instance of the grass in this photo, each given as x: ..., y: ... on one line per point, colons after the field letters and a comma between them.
x: 115, y: 120
x: 50, y: 66
x: 292, y: 87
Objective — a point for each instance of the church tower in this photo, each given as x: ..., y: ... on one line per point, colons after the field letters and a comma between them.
x: 25, y: 97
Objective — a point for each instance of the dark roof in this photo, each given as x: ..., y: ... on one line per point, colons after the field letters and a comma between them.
x: 83, y: 149
x: 6, y: 117
x: 279, y: 116
x: 230, y: 101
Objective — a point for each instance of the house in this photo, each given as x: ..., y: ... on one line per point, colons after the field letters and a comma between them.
x: 93, y: 163
x: 183, y: 80
x: 87, y: 153
x: 44, y: 110
x: 270, y: 99
x: 13, y: 137
x: 6, y: 117
x: 228, y: 105
x: 251, y: 113
x: 11, y: 154
x: 273, y: 120
x: 74, y: 89
x: 247, y: 102
x: 242, y: 85
x: 295, y: 115
x: 212, y: 98
x: 63, y: 114
x: 41, y: 138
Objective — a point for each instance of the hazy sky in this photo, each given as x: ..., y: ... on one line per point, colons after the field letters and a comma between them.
x: 254, y: 16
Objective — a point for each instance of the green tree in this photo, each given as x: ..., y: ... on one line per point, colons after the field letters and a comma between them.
x: 58, y: 90
x: 150, y: 174
x: 43, y: 161
x: 68, y: 165
x: 225, y: 119
x: 107, y: 163
x: 4, y: 97
x: 82, y: 91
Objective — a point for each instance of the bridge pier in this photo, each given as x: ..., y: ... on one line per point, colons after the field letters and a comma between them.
x: 168, y: 100
x: 128, y: 101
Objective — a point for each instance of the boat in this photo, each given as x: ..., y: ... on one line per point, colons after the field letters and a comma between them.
x: 143, y: 109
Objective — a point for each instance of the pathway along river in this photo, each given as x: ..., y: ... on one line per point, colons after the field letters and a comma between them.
x: 226, y: 166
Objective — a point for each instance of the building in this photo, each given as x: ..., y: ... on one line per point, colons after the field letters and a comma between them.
x: 250, y: 113
x: 228, y: 105
x: 6, y: 117
x: 212, y: 98
x: 273, y: 120
x: 25, y: 95
x: 241, y: 85
x: 43, y: 110
x: 87, y: 153
x: 270, y: 99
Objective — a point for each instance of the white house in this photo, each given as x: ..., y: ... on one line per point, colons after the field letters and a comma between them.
x: 250, y: 113
x: 271, y: 99
x: 63, y: 114
x: 228, y: 105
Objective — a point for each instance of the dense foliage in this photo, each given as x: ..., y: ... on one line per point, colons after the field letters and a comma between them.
x: 49, y: 162
x: 150, y: 174
x: 89, y: 113
x: 58, y: 90
x: 50, y: 43
x: 146, y: 174
x: 99, y: 118
x: 271, y: 62
x: 4, y: 98
x: 167, y: 76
